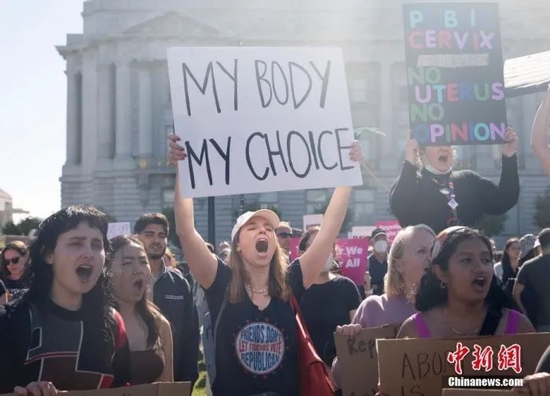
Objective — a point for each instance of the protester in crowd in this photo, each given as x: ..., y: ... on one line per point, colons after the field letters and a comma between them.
x: 329, y: 302
x: 64, y: 333
x: 539, y: 137
x: 409, y: 256
x: 507, y: 269
x: 431, y: 192
x: 172, y: 295
x: 284, y: 234
x: 224, y: 255
x: 459, y: 294
x: 534, y: 275
x: 528, y: 250
x: 210, y: 247
x: 223, y: 245
x: 378, y: 260
x: 148, y: 331
x: 3, y: 293
x: 14, y: 261
x: 249, y: 298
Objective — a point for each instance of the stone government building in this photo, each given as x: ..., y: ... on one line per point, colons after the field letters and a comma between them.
x: 119, y: 106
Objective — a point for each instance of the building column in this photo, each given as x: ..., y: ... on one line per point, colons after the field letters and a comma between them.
x: 123, y: 139
x: 145, y: 113
x: 73, y: 117
x: 105, y: 113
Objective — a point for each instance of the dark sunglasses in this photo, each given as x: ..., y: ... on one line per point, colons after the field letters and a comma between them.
x: 284, y: 235
x: 14, y: 260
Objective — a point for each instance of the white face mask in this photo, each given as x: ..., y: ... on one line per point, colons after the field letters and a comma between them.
x: 381, y: 246
x: 329, y: 263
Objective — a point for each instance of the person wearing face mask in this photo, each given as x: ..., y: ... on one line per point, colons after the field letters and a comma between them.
x: 429, y: 191
x: 329, y: 302
x: 378, y: 260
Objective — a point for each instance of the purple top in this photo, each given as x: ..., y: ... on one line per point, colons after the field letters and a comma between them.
x: 512, y: 324
x: 377, y: 311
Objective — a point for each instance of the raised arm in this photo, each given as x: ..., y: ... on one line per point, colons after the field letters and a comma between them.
x: 500, y: 199
x: 405, y: 190
x: 313, y: 259
x: 539, y: 137
x: 202, y: 263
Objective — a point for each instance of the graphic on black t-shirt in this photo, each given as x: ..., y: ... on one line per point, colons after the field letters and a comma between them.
x: 58, y: 356
x: 260, y: 347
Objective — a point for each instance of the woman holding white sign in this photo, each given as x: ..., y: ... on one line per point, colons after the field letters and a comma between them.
x: 429, y: 191
x: 539, y: 138
x: 249, y: 298
x: 459, y: 294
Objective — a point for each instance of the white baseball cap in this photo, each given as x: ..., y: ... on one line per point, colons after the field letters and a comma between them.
x: 267, y: 214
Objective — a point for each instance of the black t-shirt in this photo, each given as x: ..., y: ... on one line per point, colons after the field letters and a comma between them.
x: 324, y: 307
x: 16, y: 288
x: 377, y: 271
x: 256, y: 351
x: 49, y: 343
x: 535, y: 275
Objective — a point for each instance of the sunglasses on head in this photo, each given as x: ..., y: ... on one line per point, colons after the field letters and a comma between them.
x: 284, y: 235
x: 14, y: 260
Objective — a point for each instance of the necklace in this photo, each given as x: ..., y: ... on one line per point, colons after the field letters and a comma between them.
x: 250, y: 289
x: 458, y: 332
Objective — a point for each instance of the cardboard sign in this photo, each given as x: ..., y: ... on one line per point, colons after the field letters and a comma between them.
x: 312, y: 220
x: 476, y: 392
x: 261, y: 119
x: 352, y: 256
x: 421, y: 367
x: 116, y: 229
x: 455, y: 73
x: 156, y: 389
x: 358, y: 360
x: 391, y: 227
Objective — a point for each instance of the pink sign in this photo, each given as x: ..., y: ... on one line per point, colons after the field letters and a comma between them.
x: 391, y: 227
x: 352, y: 254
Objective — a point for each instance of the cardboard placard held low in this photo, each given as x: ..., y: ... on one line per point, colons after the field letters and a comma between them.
x: 476, y: 392
x: 156, y: 389
x: 419, y: 366
x: 358, y: 359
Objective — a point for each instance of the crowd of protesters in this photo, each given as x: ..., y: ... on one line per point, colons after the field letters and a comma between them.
x: 81, y: 312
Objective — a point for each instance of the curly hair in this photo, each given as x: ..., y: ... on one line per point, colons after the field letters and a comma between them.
x: 98, y: 303
x: 430, y: 293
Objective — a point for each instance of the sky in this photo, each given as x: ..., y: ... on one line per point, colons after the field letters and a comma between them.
x: 33, y: 103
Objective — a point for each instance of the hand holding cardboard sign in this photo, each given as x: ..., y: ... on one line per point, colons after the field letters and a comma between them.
x: 512, y: 142
x: 176, y: 152
x: 349, y: 330
x: 42, y: 388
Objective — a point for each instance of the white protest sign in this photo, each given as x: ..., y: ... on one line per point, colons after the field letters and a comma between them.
x: 116, y: 229
x: 312, y: 220
x: 362, y: 231
x: 256, y: 119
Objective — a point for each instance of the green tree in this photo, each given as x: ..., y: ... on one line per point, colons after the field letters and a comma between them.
x: 28, y: 224
x: 322, y: 208
x: 11, y: 229
x: 542, y: 209
x: 172, y: 235
x: 492, y: 225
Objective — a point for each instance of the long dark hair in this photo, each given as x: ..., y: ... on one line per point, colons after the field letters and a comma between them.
x: 507, y: 270
x: 97, y: 304
x: 145, y: 309
x: 430, y: 294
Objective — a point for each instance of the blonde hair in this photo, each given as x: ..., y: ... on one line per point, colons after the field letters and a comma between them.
x: 277, y: 286
x: 394, y: 284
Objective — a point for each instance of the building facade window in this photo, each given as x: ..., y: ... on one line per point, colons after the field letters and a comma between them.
x: 364, y: 211
x: 316, y: 199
